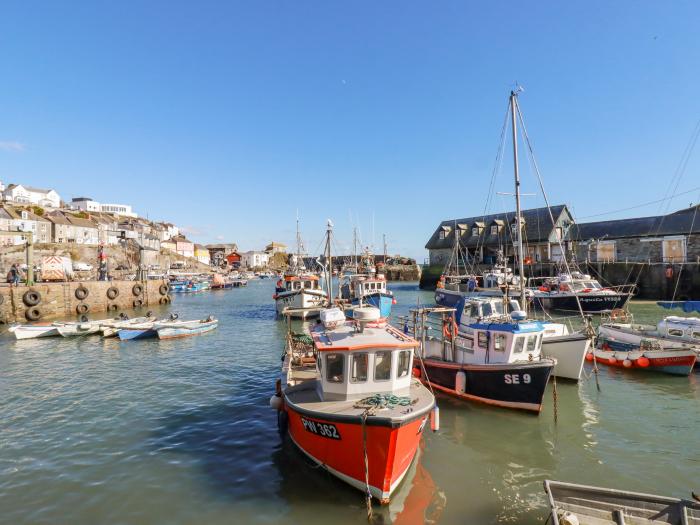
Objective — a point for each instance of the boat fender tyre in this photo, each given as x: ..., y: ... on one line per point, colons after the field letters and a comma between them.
x: 138, y: 303
x: 163, y: 300
x: 112, y: 292
x: 33, y: 314
x: 82, y: 308
x: 81, y: 293
x: 112, y: 307
x: 282, y: 422
x: 137, y: 289
x: 163, y: 290
x: 84, y: 319
x: 31, y: 298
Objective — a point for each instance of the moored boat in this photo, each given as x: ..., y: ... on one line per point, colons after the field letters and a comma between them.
x: 365, y: 289
x: 572, y: 504
x: 575, y: 292
x: 178, y: 329
x: 34, y: 330
x: 355, y: 408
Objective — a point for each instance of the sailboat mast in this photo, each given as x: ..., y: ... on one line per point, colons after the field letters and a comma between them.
x: 354, y: 247
x: 518, y: 211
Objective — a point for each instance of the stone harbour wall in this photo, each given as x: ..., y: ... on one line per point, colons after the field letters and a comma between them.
x: 45, y: 301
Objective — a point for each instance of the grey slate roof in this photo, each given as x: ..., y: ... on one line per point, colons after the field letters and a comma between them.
x: 677, y: 223
x: 538, y: 228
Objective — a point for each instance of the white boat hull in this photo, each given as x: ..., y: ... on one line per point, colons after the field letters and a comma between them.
x: 569, y: 351
x: 34, y: 331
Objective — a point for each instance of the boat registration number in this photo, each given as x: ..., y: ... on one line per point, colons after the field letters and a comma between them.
x: 326, y: 430
x: 516, y: 379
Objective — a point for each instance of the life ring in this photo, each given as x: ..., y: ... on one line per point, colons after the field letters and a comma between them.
x: 81, y: 293
x: 449, y: 329
x: 138, y: 303
x: 33, y: 314
x: 112, y: 307
x: 31, y: 298
x: 82, y: 308
x: 112, y: 292
x: 137, y: 289
x: 163, y: 290
x: 617, y: 313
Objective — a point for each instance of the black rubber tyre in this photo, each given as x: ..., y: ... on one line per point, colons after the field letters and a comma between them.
x: 82, y: 308
x: 137, y: 290
x: 31, y: 298
x: 164, y: 289
x: 112, y: 307
x: 138, y: 303
x: 163, y: 300
x: 33, y: 314
x: 81, y: 293
x: 112, y: 292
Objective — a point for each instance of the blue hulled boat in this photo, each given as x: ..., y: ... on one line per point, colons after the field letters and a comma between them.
x: 364, y: 290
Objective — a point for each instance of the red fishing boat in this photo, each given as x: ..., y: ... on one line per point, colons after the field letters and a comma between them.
x: 349, y: 401
x: 652, y: 358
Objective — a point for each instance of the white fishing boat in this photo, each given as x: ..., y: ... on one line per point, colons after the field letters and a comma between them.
x: 111, y: 328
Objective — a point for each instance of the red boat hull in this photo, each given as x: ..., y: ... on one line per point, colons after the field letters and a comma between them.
x: 338, y: 447
x: 679, y: 364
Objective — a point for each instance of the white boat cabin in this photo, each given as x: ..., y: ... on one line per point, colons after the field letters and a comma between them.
x: 294, y: 283
x: 353, y: 363
x: 360, y: 286
x: 682, y: 328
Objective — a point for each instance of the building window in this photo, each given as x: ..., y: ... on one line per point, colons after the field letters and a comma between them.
x: 494, y: 229
x: 382, y: 366
x: 475, y: 231
x: 558, y: 234
x: 674, y: 250
x: 442, y: 234
x: 605, y: 251
x: 335, y: 365
x: 358, y: 369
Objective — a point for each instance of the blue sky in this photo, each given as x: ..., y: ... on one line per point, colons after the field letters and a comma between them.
x: 227, y: 117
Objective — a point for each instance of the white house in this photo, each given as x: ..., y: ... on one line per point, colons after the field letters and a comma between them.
x: 118, y: 209
x: 86, y: 204
x: 253, y: 259
x: 21, y: 194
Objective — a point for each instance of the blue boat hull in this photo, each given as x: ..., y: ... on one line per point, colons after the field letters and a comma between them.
x: 128, y: 335
x: 383, y: 301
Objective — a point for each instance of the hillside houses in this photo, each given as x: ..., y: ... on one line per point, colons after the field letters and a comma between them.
x: 21, y: 194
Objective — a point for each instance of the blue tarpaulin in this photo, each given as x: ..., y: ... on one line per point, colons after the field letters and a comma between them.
x: 687, y: 306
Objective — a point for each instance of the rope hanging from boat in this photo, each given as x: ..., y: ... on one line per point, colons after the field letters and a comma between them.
x: 368, y: 495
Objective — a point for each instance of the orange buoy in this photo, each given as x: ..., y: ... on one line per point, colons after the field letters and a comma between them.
x: 627, y: 363
x: 589, y: 356
x: 643, y: 362
x: 612, y: 361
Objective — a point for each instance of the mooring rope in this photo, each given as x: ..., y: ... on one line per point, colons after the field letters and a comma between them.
x: 384, y: 401
x: 368, y: 495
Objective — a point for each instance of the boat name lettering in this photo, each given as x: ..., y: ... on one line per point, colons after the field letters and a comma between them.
x: 327, y: 430
x: 514, y: 379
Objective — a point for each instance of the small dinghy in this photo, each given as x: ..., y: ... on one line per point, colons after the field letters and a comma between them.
x: 573, y: 504
x: 79, y: 329
x: 143, y: 330
x: 111, y: 328
x: 177, y: 329
x: 32, y: 331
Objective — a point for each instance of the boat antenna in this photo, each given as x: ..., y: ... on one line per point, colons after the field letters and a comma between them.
x: 518, y: 211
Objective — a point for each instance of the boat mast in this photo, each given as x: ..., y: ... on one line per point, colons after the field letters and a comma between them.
x: 518, y: 211
x: 354, y: 247
x: 384, y: 239
x: 329, y: 261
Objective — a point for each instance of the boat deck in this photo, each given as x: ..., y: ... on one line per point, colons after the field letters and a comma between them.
x: 304, y: 398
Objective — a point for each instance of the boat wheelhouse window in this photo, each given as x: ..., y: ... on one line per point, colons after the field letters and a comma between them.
x: 593, y: 284
x: 319, y: 363
x: 382, y: 366
x: 307, y: 284
x: 486, y: 309
x: 470, y: 310
x: 483, y: 339
x: 675, y: 332
x: 335, y: 365
x: 358, y: 367
x: 519, y: 344
x: 404, y: 363
x: 532, y: 343
x: 499, y: 342
x: 297, y: 285
x: 497, y: 308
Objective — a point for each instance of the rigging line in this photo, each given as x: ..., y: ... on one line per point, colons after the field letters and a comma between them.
x: 640, y: 205
x: 546, y: 199
x: 685, y: 157
x: 690, y: 232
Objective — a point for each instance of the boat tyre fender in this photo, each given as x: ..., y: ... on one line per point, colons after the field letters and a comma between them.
x: 82, y: 308
x: 112, y: 292
x: 33, y: 314
x: 81, y: 293
x: 112, y: 307
x: 163, y: 290
x: 138, y: 303
x: 31, y: 298
x: 84, y: 319
x: 282, y: 422
x: 163, y: 300
x: 137, y: 289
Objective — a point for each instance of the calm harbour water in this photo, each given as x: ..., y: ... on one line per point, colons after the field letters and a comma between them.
x: 150, y: 432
